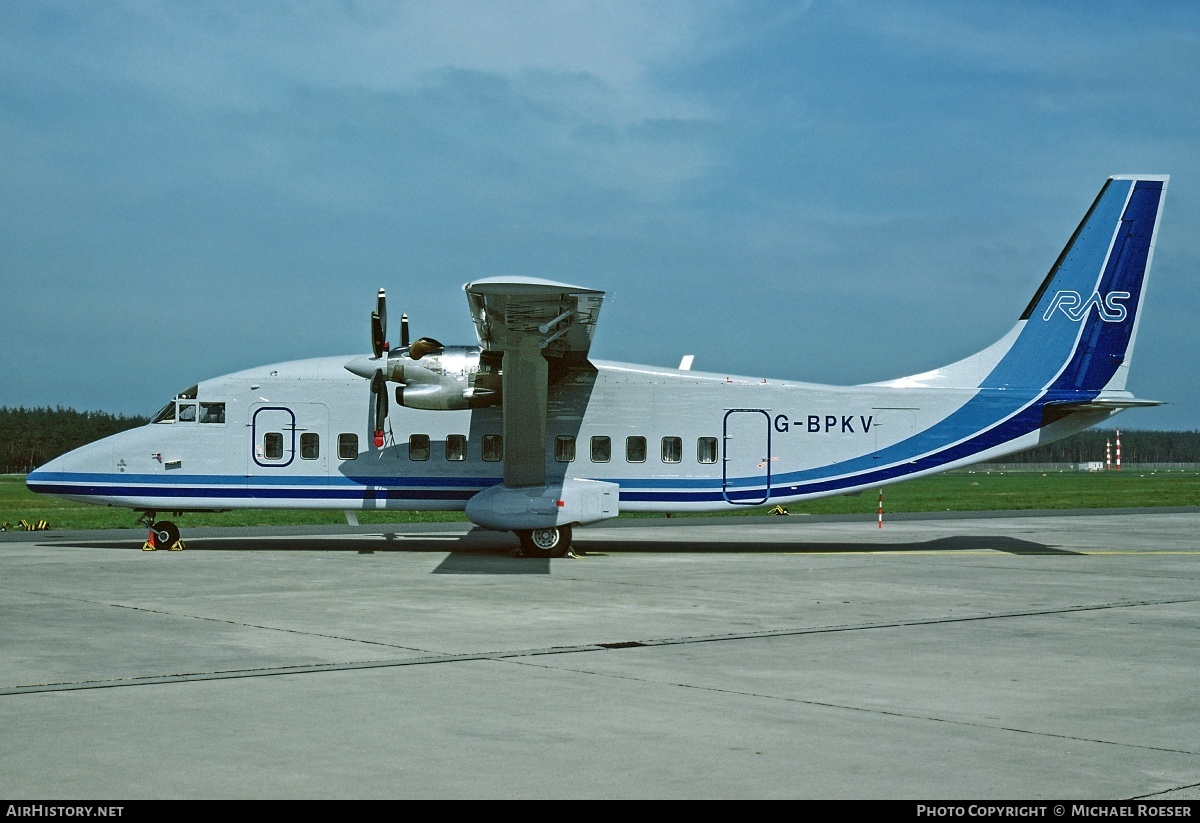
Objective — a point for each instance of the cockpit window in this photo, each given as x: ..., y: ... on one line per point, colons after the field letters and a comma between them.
x: 212, y: 412
x: 187, y: 413
x: 167, y: 415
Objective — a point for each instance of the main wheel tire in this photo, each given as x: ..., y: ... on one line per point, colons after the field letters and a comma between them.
x: 166, y: 534
x: 551, y: 542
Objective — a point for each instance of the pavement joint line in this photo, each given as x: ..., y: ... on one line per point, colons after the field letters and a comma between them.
x: 317, y: 668
x: 878, y: 711
x: 1158, y: 795
x: 184, y: 616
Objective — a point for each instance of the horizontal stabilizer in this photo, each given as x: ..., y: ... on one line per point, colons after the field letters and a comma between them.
x: 1111, y: 402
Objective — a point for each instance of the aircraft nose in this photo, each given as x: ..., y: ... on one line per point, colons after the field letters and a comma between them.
x: 39, y: 479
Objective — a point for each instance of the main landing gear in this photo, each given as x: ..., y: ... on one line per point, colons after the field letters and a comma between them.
x: 551, y: 542
x: 163, y: 534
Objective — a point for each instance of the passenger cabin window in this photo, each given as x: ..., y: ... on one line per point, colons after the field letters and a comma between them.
x: 706, y: 450
x: 456, y: 447
x: 348, y: 446
x: 273, y: 446
x: 418, y: 447
x: 601, y: 449
x: 310, y: 446
x: 493, y: 448
x: 564, y: 448
x: 672, y: 449
x: 635, y: 449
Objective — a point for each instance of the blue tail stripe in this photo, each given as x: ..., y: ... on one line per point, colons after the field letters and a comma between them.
x: 1103, y: 346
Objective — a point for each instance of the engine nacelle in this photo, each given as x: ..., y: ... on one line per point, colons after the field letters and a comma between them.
x: 452, y: 377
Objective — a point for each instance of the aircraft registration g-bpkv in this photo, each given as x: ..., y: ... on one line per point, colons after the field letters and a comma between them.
x: 526, y: 432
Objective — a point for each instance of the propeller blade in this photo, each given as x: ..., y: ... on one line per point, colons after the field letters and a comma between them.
x: 379, y: 325
x: 404, y: 330
x: 379, y: 389
x: 381, y: 310
x: 381, y: 410
x: 377, y: 340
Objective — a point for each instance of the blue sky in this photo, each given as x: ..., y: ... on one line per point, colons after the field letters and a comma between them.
x: 840, y: 192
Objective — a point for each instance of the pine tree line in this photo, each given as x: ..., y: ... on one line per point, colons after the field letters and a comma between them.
x: 1136, y: 447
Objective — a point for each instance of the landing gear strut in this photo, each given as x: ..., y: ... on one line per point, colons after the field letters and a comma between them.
x: 551, y: 542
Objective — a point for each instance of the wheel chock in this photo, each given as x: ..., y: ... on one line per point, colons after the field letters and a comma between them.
x: 177, y: 546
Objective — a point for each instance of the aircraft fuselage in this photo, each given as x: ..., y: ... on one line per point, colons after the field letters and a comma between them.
x: 298, y: 435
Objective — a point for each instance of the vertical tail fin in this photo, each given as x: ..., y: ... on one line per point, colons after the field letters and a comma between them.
x: 1077, y: 333
x: 1063, y: 366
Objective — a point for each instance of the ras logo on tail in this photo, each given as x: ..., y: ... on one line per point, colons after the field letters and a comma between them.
x: 1073, y: 306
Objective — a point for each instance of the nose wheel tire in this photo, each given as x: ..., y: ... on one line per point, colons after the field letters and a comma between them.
x: 551, y: 542
x: 166, y: 534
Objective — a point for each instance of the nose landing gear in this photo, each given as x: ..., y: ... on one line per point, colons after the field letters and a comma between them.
x: 163, y: 534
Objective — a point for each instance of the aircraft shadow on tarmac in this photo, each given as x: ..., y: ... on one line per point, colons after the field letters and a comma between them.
x: 999, y: 543
x: 485, y: 552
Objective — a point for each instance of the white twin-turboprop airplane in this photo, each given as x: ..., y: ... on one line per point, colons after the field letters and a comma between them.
x: 526, y: 432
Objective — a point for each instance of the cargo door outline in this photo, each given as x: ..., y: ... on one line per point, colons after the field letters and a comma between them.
x: 267, y: 419
x: 746, y: 457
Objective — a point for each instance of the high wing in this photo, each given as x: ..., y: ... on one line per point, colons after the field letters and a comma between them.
x: 530, y: 321
x: 561, y: 318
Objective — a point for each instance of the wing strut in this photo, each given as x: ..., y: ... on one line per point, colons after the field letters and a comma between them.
x: 525, y: 380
